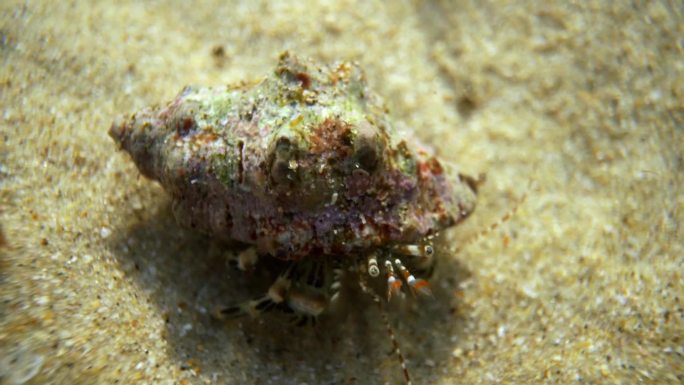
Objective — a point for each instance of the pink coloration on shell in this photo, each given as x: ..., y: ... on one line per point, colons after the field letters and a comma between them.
x: 304, y: 162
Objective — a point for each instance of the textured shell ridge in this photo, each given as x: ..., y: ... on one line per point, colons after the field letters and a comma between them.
x: 303, y: 160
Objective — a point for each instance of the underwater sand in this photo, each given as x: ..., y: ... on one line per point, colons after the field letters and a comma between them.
x: 581, y: 107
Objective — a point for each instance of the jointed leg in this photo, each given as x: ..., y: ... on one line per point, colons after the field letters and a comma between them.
x: 390, y: 331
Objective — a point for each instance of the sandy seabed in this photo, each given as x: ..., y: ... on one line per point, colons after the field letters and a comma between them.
x: 579, y: 106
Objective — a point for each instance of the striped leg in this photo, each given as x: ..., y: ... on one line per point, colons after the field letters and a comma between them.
x: 390, y: 331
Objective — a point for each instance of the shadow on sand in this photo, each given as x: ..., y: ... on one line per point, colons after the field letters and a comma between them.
x: 187, y: 277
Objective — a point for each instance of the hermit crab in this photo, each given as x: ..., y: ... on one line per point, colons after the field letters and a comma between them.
x: 303, y: 166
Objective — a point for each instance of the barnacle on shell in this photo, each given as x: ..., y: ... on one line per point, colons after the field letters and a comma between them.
x: 302, y: 162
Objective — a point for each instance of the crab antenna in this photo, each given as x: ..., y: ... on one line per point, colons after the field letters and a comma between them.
x: 393, y: 284
x: 503, y: 219
x: 388, y: 325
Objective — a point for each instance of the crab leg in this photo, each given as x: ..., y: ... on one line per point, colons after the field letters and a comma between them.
x: 420, y: 251
x: 416, y: 284
x: 393, y: 284
x: 388, y: 325
x: 373, y: 269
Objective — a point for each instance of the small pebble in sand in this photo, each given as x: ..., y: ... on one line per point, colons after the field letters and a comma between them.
x: 105, y: 232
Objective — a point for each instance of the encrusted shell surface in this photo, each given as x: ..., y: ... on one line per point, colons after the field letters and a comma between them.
x: 302, y: 162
